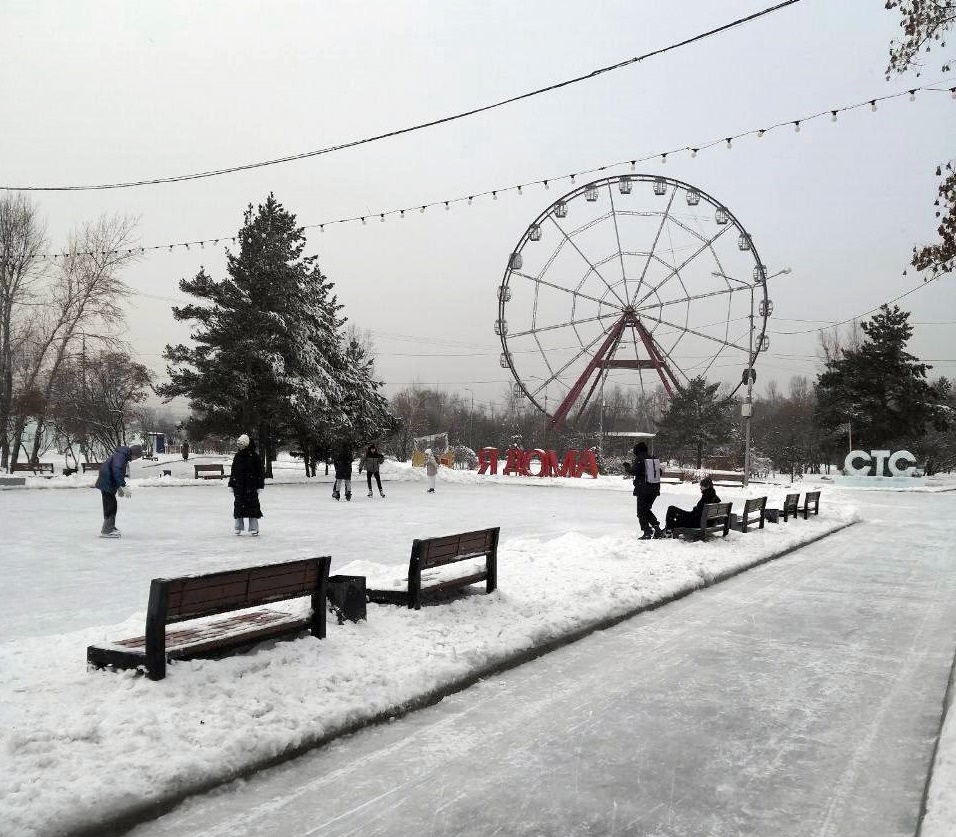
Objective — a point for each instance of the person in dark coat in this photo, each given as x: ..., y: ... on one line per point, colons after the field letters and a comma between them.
x: 112, y: 481
x: 246, y: 480
x: 680, y: 519
x: 343, y: 473
x: 371, y: 462
x: 184, y: 448
x: 646, y: 471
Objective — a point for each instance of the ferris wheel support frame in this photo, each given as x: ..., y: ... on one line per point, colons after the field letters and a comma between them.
x: 603, y: 359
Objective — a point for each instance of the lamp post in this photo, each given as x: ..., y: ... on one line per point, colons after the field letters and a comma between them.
x: 749, y: 375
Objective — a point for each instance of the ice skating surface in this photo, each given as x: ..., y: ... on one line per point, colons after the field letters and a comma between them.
x: 800, y: 698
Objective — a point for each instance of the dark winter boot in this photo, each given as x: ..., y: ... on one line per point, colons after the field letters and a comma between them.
x: 659, y: 533
x: 646, y: 536
x: 370, y: 492
x: 335, y: 495
x: 348, y: 496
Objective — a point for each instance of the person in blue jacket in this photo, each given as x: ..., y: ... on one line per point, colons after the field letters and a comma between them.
x: 112, y: 481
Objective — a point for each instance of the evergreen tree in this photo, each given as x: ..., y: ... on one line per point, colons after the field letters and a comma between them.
x: 269, y: 356
x: 879, y: 388
x: 695, y: 418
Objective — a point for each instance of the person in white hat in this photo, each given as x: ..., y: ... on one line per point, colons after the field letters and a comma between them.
x: 431, y: 470
x: 245, y: 480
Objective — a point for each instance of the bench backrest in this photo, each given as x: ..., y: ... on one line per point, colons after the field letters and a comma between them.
x: 756, y: 507
x: 790, y: 504
x: 41, y: 467
x: 715, y: 517
x: 90, y: 466
x: 192, y: 596
x: 435, y: 552
x: 217, y: 469
x: 811, y: 502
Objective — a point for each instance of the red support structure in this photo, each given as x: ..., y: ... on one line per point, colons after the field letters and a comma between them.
x: 604, y: 359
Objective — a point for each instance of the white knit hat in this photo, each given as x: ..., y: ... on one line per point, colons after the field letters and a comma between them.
x: 243, y: 441
x: 428, y: 450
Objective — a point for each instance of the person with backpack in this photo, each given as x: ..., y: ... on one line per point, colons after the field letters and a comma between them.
x: 646, y: 471
x: 112, y: 481
x: 371, y: 462
x: 246, y: 479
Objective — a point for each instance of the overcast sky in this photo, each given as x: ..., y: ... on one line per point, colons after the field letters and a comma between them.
x: 106, y: 92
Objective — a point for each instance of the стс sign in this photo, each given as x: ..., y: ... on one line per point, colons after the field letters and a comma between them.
x: 875, y: 461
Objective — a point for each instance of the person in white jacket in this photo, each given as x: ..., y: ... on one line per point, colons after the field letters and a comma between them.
x: 431, y: 470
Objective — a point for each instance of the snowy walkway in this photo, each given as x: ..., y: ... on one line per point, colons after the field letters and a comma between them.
x: 800, y: 698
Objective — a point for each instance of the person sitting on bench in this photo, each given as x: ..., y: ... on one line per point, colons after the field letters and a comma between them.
x: 680, y: 519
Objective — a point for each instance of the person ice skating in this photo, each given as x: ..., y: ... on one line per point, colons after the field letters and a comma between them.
x: 246, y: 479
x: 646, y: 471
x: 112, y: 481
x: 431, y: 470
x: 343, y: 473
x: 679, y: 518
x: 371, y: 462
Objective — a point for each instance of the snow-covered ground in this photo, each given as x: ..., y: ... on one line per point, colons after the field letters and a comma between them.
x: 81, y: 746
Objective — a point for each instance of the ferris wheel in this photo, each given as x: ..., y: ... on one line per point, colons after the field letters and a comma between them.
x: 634, y: 280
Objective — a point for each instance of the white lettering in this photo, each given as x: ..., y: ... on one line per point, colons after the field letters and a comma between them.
x: 880, y: 456
x: 896, y: 469
x: 849, y: 467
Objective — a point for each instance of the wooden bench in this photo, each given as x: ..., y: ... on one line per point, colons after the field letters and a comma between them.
x: 811, y: 498
x: 753, y: 514
x: 728, y: 479
x: 90, y: 466
x: 191, y: 597
x: 209, y: 472
x: 434, y: 553
x: 790, y: 507
x: 714, y: 520
x: 35, y: 467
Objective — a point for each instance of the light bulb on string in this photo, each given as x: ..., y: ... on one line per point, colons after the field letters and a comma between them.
x: 760, y: 134
x: 912, y: 95
x: 729, y: 143
x: 833, y: 116
x: 693, y: 152
x: 382, y: 217
x: 663, y: 159
x: 796, y: 126
x: 494, y: 195
x: 470, y: 199
x: 873, y: 104
x: 633, y: 165
x: 401, y: 213
x: 321, y: 227
x: 546, y: 186
x: 519, y: 190
x: 422, y: 210
x: 952, y: 92
x: 363, y: 220
x: 446, y: 206
x: 572, y: 179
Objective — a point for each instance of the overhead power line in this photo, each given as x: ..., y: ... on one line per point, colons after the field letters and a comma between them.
x: 412, y: 128
x: 657, y: 156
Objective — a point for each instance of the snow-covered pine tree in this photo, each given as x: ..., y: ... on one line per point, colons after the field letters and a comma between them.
x: 269, y: 357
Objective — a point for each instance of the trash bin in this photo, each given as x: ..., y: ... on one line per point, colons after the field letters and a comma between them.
x: 346, y: 595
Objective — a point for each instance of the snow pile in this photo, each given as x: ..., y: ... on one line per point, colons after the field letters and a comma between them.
x: 83, y: 746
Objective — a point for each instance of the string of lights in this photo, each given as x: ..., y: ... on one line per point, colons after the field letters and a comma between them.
x: 421, y: 126
x: 657, y: 156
